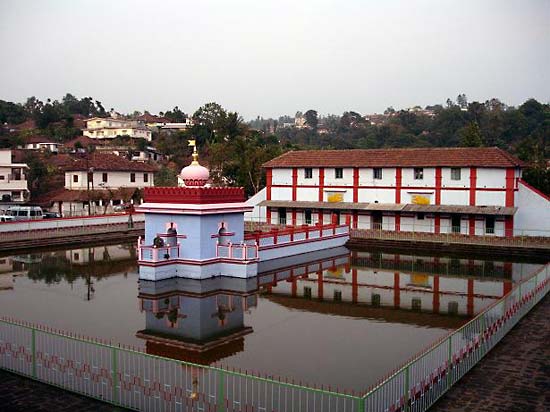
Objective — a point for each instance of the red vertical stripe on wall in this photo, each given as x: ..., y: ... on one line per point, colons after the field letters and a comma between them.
x: 436, y: 295
x: 398, y: 177
x: 396, y: 291
x: 293, y: 217
x: 320, y: 216
x: 472, y: 226
x: 294, y: 287
x: 268, y: 215
x: 355, y: 219
x: 473, y: 185
x: 355, y: 184
x: 397, y: 222
x: 470, y: 305
x: 509, y: 226
x: 437, y: 223
x: 321, y: 182
x: 268, y: 183
x: 510, y: 183
x: 294, y: 183
x: 437, y: 185
x: 507, y: 287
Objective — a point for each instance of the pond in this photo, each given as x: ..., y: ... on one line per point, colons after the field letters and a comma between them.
x: 342, y: 319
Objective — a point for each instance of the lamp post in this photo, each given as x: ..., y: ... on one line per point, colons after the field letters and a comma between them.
x: 90, y: 172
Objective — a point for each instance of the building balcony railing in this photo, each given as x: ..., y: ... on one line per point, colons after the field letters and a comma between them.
x: 153, y: 254
x: 278, y: 236
x: 237, y: 251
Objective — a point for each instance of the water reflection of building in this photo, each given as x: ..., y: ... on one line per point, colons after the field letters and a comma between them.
x: 203, y: 321
x: 196, y: 321
x: 54, y: 266
x: 9, y: 270
x: 434, y: 284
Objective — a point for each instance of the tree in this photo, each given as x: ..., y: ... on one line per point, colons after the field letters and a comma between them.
x: 311, y: 118
x: 462, y: 101
x: 470, y: 135
x: 166, y: 177
x: 12, y: 113
x: 175, y: 115
x: 209, y: 120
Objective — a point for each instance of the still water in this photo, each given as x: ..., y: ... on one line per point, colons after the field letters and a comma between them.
x: 342, y: 318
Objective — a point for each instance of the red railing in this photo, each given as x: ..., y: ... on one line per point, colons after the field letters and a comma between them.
x: 292, y: 233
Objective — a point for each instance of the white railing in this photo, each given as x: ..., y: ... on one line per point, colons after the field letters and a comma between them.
x: 65, y: 223
x: 285, y: 235
x: 237, y: 251
x: 154, y: 254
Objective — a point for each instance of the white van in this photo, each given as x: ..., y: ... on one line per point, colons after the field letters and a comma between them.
x: 25, y: 212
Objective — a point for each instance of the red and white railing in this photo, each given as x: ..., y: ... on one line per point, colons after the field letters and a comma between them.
x: 294, y: 234
x: 157, y: 254
x: 237, y: 251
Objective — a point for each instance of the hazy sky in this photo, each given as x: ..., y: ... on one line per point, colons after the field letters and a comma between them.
x: 270, y: 58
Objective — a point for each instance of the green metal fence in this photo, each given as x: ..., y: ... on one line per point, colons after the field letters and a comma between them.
x: 421, y: 381
x: 136, y: 380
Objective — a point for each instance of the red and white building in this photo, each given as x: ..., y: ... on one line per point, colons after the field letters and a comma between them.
x: 472, y: 191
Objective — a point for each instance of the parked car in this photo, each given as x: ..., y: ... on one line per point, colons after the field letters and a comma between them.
x: 51, y: 215
x: 25, y: 212
x: 124, y: 207
x: 6, y: 218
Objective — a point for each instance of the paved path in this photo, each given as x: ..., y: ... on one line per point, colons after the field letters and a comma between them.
x: 514, y: 376
x: 24, y: 395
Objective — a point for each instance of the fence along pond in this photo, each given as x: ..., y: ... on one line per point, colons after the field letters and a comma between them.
x: 133, y: 379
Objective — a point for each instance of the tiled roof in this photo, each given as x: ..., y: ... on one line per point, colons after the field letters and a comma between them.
x: 394, y: 207
x: 421, y: 157
x: 66, y: 195
x: 85, y: 141
x: 108, y: 162
x: 38, y: 139
x: 26, y: 125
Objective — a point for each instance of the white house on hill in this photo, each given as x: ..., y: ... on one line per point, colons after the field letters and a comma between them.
x: 13, y: 178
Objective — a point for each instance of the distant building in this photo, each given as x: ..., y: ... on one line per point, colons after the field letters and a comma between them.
x: 300, y: 122
x: 41, y: 143
x: 470, y: 191
x: 97, y: 182
x: 162, y: 123
x: 109, y: 128
x: 13, y: 178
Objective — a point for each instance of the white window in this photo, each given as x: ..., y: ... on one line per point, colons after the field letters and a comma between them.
x: 455, y: 173
x: 308, y: 173
x: 418, y: 173
x: 377, y: 173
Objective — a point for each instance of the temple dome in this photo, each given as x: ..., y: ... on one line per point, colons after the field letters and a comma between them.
x: 194, y: 174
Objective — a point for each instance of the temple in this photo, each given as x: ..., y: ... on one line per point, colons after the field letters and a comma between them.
x: 197, y: 231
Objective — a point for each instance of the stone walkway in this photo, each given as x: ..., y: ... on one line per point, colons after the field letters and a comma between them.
x: 514, y: 376
x: 24, y: 395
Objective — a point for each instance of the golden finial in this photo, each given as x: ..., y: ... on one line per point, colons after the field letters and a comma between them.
x: 193, y: 143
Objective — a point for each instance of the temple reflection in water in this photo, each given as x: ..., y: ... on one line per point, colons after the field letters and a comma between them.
x: 204, y: 321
